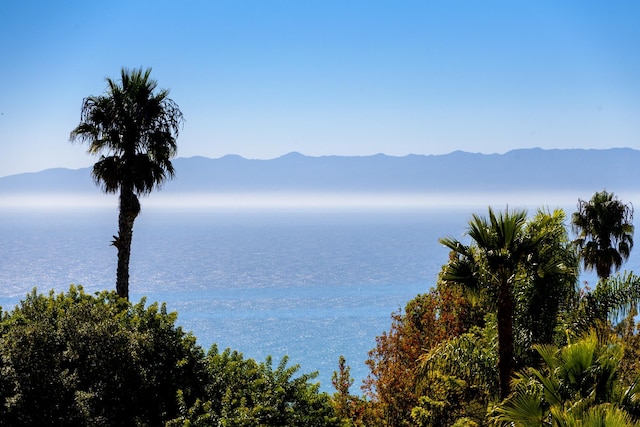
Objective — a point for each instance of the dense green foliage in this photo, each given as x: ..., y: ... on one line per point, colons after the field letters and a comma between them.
x: 242, y: 392
x: 575, y: 353
x: 75, y: 359
x: 578, y: 384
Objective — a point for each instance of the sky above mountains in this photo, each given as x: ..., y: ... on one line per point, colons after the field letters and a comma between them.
x: 358, y: 77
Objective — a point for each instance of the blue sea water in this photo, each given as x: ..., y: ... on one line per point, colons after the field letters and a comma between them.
x: 309, y: 284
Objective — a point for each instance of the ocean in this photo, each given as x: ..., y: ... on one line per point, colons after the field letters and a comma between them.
x: 312, y: 284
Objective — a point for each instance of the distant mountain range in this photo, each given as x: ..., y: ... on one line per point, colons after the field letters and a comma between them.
x: 615, y: 169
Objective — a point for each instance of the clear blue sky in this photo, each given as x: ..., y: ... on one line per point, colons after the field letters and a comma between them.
x: 262, y: 78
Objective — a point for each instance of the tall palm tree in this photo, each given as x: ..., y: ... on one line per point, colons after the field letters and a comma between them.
x: 511, y: 264
x: 133, y: 128
x: 502, y: 245
x: 604, y: 226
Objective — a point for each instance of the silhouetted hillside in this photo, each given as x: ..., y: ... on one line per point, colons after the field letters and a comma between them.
x: 615, y: 169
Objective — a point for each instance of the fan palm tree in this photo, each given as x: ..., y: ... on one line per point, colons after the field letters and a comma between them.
x: 501, y: 243
x: 133, y: 128
x: 512, y: 263
x: 604, y: 226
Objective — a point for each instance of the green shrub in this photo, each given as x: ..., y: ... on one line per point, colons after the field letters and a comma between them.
x: 242, y: 392
x: 77, y: 359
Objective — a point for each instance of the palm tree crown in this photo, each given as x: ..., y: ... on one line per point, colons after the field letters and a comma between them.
x: 133, y: 128
x: 604, y: 226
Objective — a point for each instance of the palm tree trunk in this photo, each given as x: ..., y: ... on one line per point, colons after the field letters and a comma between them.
x: 506, y: 306
x: 129, y: 209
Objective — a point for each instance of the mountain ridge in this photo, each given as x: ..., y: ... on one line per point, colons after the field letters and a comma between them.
x: 530, y: 169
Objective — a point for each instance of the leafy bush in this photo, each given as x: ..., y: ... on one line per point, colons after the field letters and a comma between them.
x: 75, y: 359
x: 242, y: 392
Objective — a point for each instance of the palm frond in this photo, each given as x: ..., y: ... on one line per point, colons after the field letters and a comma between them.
x: 107, y: 172
x: 612, y: 299
x: 524, y: 410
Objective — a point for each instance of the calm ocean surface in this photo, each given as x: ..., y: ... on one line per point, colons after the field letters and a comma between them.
x: 310, y: 284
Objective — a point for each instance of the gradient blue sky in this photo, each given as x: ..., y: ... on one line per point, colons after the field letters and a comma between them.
x: 262, y: 78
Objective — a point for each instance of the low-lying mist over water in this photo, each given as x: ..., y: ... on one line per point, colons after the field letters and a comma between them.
x: 470, y: 201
